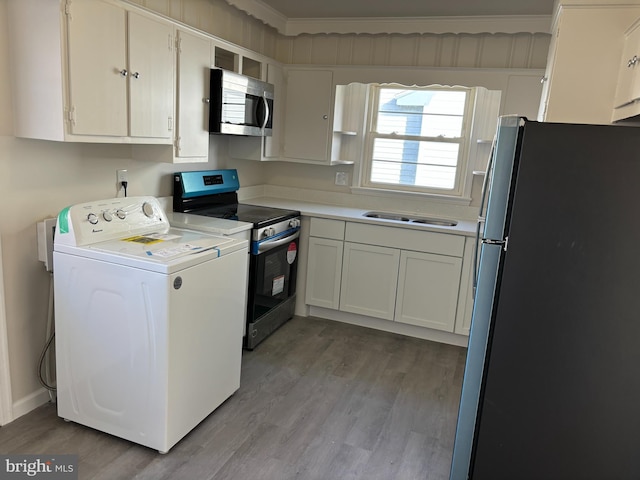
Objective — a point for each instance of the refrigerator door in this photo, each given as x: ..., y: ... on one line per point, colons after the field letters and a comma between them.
x: 482, y: 308
x: 501, y: 172
x: 561, y: 388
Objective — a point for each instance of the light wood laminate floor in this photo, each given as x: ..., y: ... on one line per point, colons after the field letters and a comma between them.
x: 318, y: 400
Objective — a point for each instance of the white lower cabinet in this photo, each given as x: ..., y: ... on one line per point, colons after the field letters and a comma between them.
x: 369, y: 280
x: 428, y: 290
x: 413, y: 277
x: 324, y: 269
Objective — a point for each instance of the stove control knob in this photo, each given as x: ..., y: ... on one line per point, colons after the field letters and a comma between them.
x: 294, y: 223
x: 121, y: 214
x: 147, y: 209
x: 268, y: 232
x: 93, y: 218
x: 107, y: 216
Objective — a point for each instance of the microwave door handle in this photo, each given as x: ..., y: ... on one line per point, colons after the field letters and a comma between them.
x: 266, y: 112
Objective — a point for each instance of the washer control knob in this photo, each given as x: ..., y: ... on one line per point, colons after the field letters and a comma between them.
x: 93, y: 218
x: 107, y: 216
x: 147, y: 209
x: 294, y: 223
x: 121, y: 214
x: 268, y: 232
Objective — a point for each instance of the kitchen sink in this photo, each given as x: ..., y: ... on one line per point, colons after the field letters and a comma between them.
x: 435, y: 221
x: 404, y: 218
x: 387, y: 216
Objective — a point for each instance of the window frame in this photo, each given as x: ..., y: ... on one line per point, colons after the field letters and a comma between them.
x: 459, y: 191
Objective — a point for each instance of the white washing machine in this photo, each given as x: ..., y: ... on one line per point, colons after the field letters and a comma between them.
x: 148, y: 318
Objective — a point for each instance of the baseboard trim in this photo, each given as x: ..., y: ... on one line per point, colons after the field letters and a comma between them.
x: 30, y: 402
x: 387, y: 326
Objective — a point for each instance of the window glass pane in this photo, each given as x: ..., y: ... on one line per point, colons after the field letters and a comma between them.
x: 415, y: 163
x: 421, y: 112
x: 418, y: 135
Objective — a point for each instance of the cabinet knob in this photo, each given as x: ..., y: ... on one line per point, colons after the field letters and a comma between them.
x: 632, y: 61
x: 206, y: 100
x: 324, y: 117
x: 135, y: 75
x: 124, y: 72
x: 543, y: 79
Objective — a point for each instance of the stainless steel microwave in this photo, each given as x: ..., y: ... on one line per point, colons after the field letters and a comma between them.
x: 240, y: 105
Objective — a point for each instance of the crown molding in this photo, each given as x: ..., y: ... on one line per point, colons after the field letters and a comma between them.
x: 405, y: 25
x: 262, y: 12
x: 436, y: 25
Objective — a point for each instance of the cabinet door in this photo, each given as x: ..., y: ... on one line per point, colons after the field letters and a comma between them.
x: 324, y: 268
x: 308, y: 115
x: 586, y: 60
x: 97, y: 69
x: 192, y: 95
x: 151, y: 74
x: 428, y: 290
x: 369, y: 280
x: 273, y: 144
x: 628, y: 88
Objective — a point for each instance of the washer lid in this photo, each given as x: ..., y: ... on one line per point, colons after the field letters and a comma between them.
x: 165, y: 251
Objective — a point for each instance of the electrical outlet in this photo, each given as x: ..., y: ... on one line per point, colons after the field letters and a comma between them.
x: 342, y: 178
x: 121, y: 176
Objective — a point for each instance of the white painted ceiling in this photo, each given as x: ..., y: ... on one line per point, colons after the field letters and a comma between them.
x: 407, y: 8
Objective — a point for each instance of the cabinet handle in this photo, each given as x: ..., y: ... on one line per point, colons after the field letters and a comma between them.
x: 633, y: 61
x: 124, y: 72
x: 543, y: 79
x: 135, y: 75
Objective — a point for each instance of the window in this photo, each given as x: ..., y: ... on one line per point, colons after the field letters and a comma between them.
x: 418, y: 139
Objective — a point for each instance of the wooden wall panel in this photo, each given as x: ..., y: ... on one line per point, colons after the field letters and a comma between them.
x: 428, y: 50
x: 324, y: 50
x: 217, y: 17
x: 468, y: 48
x: 402, y: 50
x: 362, y: 49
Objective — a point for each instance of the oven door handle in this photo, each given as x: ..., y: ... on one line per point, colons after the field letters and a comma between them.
x: 266, y: 246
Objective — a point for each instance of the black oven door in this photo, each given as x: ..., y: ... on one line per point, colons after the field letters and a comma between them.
x: 272, y: 287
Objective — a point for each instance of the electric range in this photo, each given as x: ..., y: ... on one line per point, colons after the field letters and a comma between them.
x: 273, y: 251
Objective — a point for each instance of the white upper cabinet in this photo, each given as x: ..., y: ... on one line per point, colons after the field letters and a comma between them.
x: 98, y: 71
x: 308, y: 118
x: 628, y: 88
x: 584, y: 61
x: 104, y: 73
x: 151, y: 77
x: 121, y: 70
x: 192, y: 129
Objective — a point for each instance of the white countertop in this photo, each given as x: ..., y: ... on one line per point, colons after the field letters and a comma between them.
x: 464, y: 227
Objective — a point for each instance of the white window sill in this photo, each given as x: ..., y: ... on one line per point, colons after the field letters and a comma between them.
x: 396, y: 193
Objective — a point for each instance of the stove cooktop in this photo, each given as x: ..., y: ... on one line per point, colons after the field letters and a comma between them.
x: 258, y: 215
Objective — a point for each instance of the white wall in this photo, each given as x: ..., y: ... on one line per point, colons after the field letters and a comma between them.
x: 38, y: 178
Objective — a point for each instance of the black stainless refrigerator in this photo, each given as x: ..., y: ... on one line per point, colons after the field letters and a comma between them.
x: 552, y: 380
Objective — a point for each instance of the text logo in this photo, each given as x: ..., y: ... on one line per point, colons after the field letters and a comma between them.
x: 50, y: 467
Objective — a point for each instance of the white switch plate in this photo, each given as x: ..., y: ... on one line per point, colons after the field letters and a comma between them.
x: 342, y: 178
